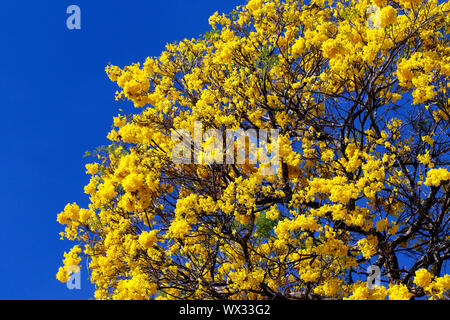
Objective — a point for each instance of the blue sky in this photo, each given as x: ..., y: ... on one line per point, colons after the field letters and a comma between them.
x: 56, y: 103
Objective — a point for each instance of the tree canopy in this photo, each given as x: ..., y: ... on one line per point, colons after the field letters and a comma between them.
x: 359, y: 94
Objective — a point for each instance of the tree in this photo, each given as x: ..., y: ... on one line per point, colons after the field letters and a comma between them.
x: 358, y: 94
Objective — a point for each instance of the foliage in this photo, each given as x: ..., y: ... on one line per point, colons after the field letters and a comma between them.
x: 363, y: 112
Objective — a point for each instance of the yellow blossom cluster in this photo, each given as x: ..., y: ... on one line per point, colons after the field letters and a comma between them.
x: 436, y: 176
x: 362, y: 113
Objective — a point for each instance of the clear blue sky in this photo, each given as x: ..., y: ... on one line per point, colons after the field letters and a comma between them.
x: 56, y: 103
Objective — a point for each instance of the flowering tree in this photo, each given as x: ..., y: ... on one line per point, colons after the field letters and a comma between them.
x: 358, y: 92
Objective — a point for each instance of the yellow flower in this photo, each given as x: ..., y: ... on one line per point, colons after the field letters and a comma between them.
x: 148, y: 239
x: 179, y: 228
x: 436, y: 176
x: 133, y: 182
x: 368, y: 246
x: 299, y: 47
x: 399, y: 292
x: 119, y: 121
x: 382, y: 225
x: 380, y: 3
x: 388, y: 15
x: 423, y: 277
x: 85, y: 214
x: 425, y: 159
x: 71, y: 212
x: 254, y: 5
x: 92, y: 168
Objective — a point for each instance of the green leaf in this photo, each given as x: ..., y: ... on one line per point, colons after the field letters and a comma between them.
x: 264, y: 225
